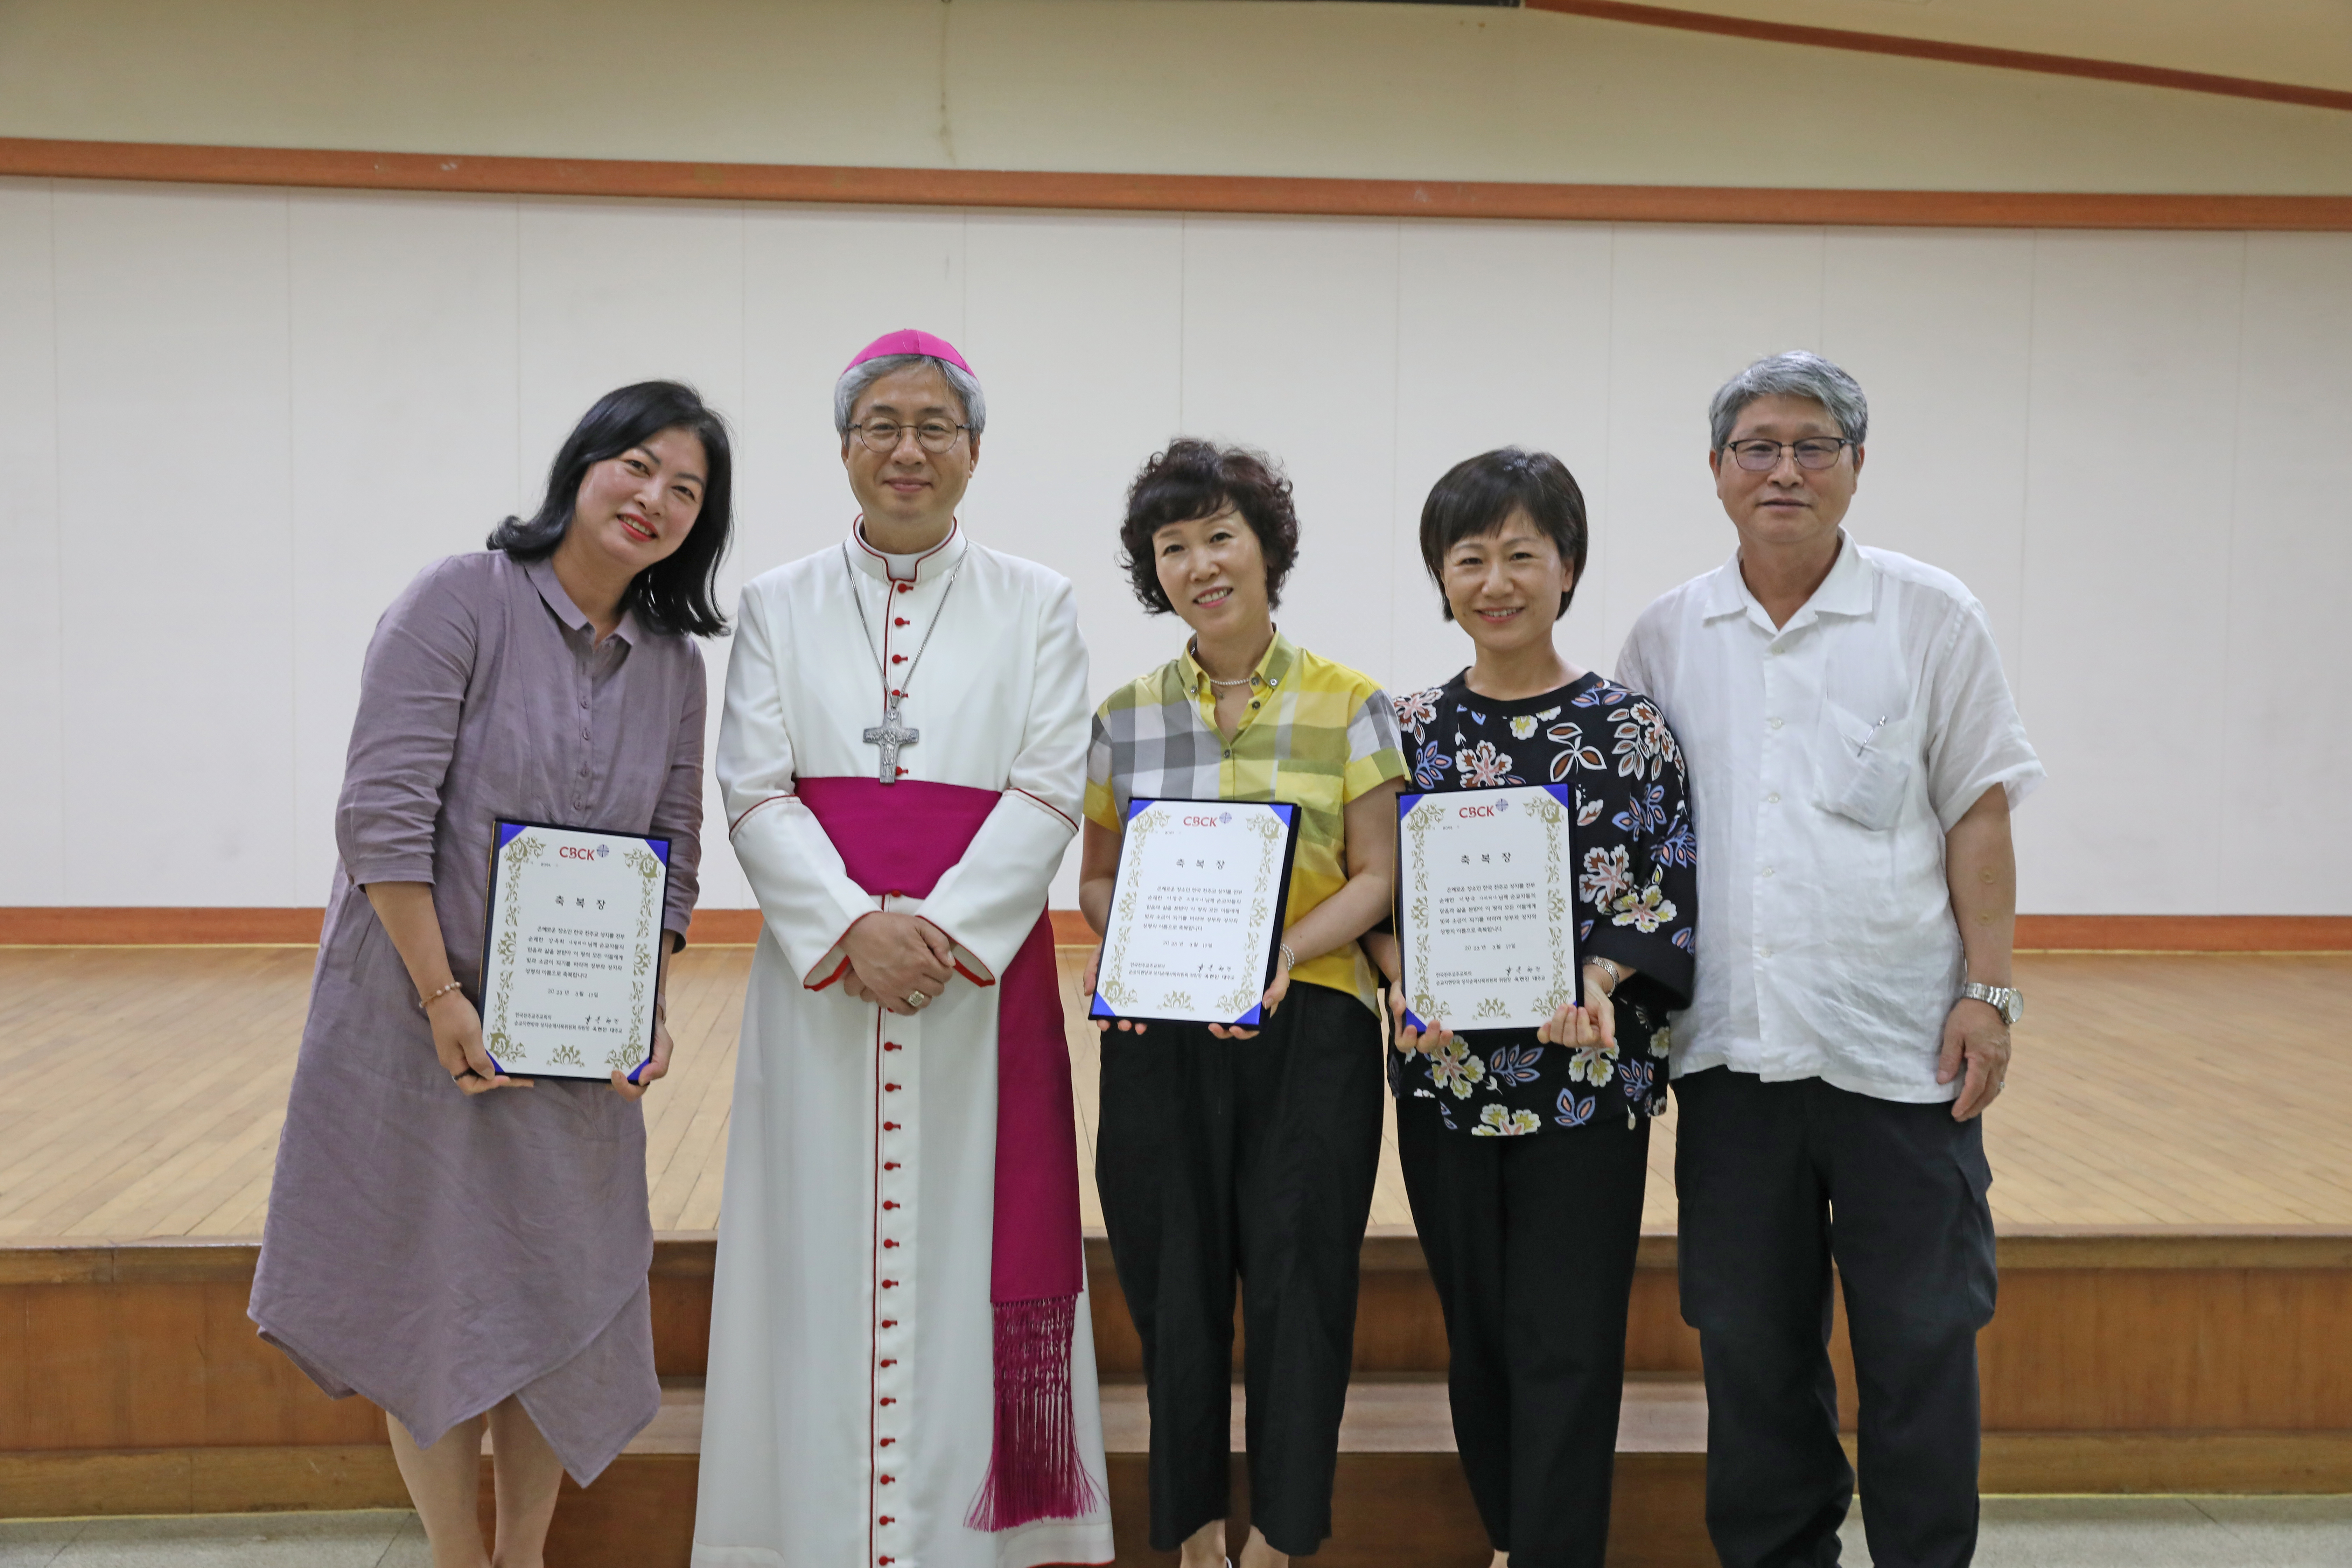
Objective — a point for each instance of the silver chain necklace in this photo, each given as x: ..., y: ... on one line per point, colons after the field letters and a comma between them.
x: 892, y: 734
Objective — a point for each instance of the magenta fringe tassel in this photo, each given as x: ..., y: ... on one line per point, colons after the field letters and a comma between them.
x: 1034, y: 1469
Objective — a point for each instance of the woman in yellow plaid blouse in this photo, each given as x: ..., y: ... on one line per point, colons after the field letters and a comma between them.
x: 1223, y: 1152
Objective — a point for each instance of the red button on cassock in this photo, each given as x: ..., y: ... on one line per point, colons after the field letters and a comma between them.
x: 890, y: 1323
x: 906, y: 587
x: 888, y: 1243
x: 886, y: 1518
x: 889, y: 1402
x: 889, y: 1284
x: 889, y: 1361
x: 890, y: 1164
x: 889, y: 1480
x: 890, y: 1203
x: 900, y: 622
x: 890, y: 1045
x: 889, y: 1127
x: 897, y: 659
x: 889, y: 1089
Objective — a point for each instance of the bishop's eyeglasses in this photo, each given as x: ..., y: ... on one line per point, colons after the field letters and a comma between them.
x: 883, y: 436
x: 1814, y: 452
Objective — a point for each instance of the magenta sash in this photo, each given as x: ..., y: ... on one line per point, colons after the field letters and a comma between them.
x: 901, y: 839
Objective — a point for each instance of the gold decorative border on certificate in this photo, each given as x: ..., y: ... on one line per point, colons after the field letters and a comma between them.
x: 649, y: 867
x: 523, y: 850
x: 1418, y: 821
x: 1554, y: 817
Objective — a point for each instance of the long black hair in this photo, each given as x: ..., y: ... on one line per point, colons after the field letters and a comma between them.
x: 679, y: 594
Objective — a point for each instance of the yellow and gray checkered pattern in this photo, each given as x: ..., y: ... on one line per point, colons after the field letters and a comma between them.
x: 1316, y: 735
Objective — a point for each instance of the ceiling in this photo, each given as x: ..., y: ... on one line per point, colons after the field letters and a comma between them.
x: 2306, y: 42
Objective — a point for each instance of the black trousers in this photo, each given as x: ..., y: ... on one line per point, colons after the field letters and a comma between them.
x: 1250, y: 1158
x: 1778, y: 1180
x: 1531, y: 1243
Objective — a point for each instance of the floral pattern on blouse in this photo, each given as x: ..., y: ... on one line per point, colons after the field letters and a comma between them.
x: 1636, y: 896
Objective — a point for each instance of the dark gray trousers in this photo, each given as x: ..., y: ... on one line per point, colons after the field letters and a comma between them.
x: 1777, y: 1181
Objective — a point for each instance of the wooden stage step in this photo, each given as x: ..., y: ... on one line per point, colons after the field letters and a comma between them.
x: 2152, y: 1360
x: 1398, y: 1497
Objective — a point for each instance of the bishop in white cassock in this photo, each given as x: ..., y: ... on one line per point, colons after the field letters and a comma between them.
x: 884, y: 1387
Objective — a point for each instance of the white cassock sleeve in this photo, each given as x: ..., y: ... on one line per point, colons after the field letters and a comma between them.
x: 988, y: 901
x: 807, y: 897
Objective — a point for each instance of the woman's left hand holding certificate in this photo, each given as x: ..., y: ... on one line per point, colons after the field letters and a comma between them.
x: 407, y: 911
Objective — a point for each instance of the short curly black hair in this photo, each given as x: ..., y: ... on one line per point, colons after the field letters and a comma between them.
x: 1194, y: 479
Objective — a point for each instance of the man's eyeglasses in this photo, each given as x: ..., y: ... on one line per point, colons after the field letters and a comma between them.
x: 883, y: 436
x: 1814, y: 452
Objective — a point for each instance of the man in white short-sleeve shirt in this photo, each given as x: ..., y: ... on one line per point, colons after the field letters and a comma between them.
x: 1854, y: 753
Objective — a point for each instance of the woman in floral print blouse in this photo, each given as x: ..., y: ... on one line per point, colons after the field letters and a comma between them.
x: 1525, y: 1150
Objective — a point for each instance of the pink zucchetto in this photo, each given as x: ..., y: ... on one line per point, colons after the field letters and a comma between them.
x: 909, y: 341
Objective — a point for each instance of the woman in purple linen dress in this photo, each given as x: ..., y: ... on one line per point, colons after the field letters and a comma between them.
x: 458, y: 1246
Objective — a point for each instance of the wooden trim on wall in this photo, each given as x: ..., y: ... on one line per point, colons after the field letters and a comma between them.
x: 2184, y: 933
x: 689, y: 1254
x: 97, y: 927
x: 1250, y: 194
x: 1684, y: 21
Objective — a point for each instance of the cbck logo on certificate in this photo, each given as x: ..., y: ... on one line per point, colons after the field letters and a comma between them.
x: 1195, y: 930
x: 572, y: 950
x: 1484, y: 917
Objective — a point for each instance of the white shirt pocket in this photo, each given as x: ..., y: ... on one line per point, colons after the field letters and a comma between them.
x: 1866, y: 765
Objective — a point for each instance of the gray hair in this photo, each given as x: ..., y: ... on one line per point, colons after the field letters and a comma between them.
x: 1797, y: 374
x: 858, y: 378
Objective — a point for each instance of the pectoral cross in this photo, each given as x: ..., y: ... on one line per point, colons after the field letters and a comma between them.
x: 890, y: 734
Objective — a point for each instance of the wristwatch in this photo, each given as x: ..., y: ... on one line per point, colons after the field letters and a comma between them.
x: 2008, y: 1001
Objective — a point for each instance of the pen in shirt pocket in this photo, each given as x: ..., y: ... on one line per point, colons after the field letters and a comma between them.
x: 1871, y: 736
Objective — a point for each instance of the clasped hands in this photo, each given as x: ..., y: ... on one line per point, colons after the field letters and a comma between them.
x: 1594, y: 1023
x: 894, y: 959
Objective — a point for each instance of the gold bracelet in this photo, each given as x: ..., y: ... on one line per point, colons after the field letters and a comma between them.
x: 424, y: 1004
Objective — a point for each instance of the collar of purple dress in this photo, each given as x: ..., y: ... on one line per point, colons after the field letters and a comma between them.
x: 542, y: 573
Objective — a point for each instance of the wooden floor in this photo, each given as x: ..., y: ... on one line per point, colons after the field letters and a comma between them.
x: 145, y: 1087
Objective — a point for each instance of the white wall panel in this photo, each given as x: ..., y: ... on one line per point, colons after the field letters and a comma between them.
x: 616, y: 292
x: 174, y: 464
x: 1502, y: 340
x: 32, y: 713
x: 2135, y: 351
x: 405, y: 402
x: 2283, y: 778
x: 235, y: 423
x: 1937, y: 327
x: 1689, y: 306
x: 1076, y: 325
x: 1290, y: 347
